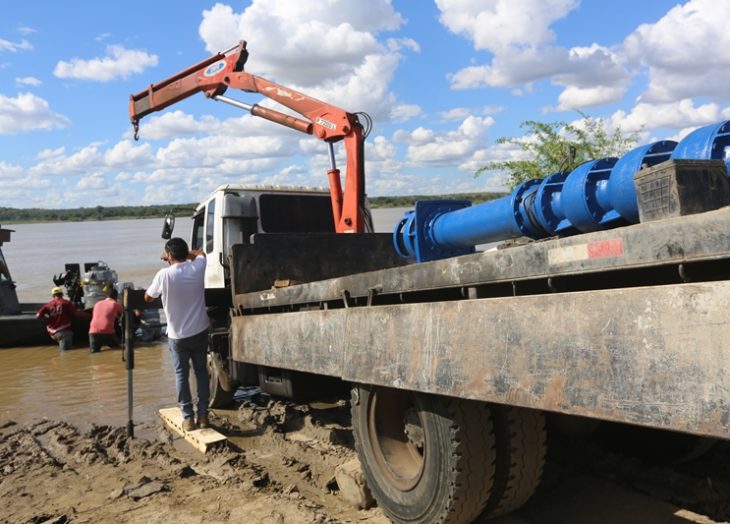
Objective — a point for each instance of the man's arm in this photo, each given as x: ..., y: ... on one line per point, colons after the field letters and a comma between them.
x: 42, y: 312
x: 195, y: 253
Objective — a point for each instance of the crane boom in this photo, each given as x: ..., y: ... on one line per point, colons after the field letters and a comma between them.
x: 328, y: 123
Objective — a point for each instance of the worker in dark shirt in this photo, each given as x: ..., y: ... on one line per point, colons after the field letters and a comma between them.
x: 59, y: 313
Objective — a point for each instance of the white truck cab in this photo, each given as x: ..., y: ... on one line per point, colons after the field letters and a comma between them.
x: 234, y: 212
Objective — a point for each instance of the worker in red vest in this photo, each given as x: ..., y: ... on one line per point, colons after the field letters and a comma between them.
x: 59, y: 313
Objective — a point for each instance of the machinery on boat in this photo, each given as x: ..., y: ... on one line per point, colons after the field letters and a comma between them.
x: 19, y: 325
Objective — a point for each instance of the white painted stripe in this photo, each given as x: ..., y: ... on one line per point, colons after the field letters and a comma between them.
x: 564, y: 255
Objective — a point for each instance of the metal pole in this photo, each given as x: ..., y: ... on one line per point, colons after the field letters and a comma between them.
x: 129, y: 359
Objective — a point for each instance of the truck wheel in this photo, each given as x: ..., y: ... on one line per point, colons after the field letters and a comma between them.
x: 426, y: 458
x: 521, y: 446
x: 219, y: 397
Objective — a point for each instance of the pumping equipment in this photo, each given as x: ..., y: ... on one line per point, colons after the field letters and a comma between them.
x: 598, y: 194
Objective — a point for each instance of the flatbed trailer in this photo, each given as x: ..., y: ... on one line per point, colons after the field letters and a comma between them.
x: 629, y: 325
x: 626, y: 325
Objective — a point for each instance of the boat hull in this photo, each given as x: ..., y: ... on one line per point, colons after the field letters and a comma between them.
x: 25, y: 329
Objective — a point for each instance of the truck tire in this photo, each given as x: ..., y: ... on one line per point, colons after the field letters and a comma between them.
x: 426, y: 459
x: 521, y: 440
x: 219, y: 397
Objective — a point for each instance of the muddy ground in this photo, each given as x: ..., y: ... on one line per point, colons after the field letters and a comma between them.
x: 279, y: 464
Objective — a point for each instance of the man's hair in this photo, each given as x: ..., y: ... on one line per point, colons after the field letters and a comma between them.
x: 113, y: 294
x: 177, y: 248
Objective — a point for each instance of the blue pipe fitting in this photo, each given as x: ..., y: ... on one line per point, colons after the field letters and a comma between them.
x: 442, y: 228
x: 621, y: 190
x: 584, y: 197
x: 548, y: 207
x: 412, y: 236
x: 706, y: 143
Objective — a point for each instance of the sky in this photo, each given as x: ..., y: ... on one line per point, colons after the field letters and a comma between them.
x: 441, y: 79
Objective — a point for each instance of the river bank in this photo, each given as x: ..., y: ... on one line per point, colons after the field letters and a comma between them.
x: 279, y: 468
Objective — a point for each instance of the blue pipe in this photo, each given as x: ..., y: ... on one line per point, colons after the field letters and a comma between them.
x: 705, y: 143
x: 621, y: 189
x: 596, y: 195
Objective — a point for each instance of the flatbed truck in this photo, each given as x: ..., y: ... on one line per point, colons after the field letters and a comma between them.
x: 454, y: 365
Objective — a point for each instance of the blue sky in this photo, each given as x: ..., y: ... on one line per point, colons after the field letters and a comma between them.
x: 441, y: 79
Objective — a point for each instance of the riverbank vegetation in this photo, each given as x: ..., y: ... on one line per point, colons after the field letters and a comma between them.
x: 10, y: 215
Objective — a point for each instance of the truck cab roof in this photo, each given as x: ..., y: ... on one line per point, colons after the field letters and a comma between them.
x: 261, y: 189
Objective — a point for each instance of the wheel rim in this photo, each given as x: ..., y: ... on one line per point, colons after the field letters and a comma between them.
x: 395, y: 428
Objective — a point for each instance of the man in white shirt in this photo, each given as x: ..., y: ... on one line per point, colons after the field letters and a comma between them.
x: 182, y: 287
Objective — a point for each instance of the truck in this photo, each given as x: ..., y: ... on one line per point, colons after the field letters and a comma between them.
x: 456, y: 358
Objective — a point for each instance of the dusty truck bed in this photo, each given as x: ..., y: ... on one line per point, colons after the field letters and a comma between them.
x: 627, y: 325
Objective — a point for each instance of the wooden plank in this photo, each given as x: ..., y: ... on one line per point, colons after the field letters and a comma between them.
x: 200, y: 439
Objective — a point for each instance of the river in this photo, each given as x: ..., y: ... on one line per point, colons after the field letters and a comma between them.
x: 77, y: 386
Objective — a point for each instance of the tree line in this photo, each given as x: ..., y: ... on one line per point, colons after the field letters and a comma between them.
x: 80, y: 214
x: 10, y: 215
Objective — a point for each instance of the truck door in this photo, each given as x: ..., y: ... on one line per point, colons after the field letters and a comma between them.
x: 214, y: 277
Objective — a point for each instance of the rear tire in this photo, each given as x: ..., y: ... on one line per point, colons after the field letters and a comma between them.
x: 521, y: 440
x: 219, y: 397
x: 426, y: 458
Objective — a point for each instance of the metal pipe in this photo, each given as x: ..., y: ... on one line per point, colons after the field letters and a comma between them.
x: 598, y: 194
x: 129, y: 358
x: 331, y: 151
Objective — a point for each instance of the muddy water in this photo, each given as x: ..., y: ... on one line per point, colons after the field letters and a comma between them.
x: 83, y: 388
x: 77, y: 386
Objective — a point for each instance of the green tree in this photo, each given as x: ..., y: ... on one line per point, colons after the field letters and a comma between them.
x: 552, y: 147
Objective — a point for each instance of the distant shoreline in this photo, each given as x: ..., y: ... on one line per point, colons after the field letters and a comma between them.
x: 9, y: 215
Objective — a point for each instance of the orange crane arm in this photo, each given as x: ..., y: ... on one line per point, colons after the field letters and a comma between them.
x: 327, y: 122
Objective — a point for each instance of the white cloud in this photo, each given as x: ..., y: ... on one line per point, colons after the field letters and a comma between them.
x: 574, y: 97
x: 80, y: 163
x: 460, y: 113
x: 674, y: 115
x: 27, y: 112
x: 519, y: 36
x: 455, y: 113
x: 498, y: 24
x: 125, y: 153
x: 14, y: 47
x: 119, y: 62
x: 95, y: 181
x: 9, y: 170
x: 170, y: 124
x: 214, y: 151
x: 684, y: 52
x: 425, y: 147
x: 28, y: 81
x: 45, y: 154
x: 404, y: 112
x: 330, y: 50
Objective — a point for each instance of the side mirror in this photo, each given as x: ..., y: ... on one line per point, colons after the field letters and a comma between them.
x: 167, y: 226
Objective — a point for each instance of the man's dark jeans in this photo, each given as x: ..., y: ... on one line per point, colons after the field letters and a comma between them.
x: 184, y: 351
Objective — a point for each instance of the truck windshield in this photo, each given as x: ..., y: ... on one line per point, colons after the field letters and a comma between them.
x: 296, y: 213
